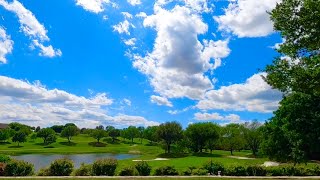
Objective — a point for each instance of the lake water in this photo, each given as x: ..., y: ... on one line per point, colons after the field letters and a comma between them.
x: 44, y: 160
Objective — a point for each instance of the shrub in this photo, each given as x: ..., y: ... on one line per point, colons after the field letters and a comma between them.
x: 105, y: 167
x: 236, y: 170
x: 166, y: 171
x: 61, y: 167
x: 213, y: 167
x: 84, y: 170
x: 200, y: 172
x: 256, y: 170
x: 128, y: 171
x: 44, y: 172
x: 143, y: 168
x: 2, y: 168
x: 4, y: 158
x: 18, y: 168
x: 189, y: 171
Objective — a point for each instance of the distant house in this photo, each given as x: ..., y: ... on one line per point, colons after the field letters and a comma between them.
x: 3, y: 126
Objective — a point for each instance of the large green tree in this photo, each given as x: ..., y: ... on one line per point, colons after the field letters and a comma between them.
x: 98, y: 134
x: 297, y: 121
x: 48, y: 135
x: 69, y: 131
x: 170, y: 132
x: 202, y: 135
x: 233, y: 137
x: 253, y: 135
x: 19, y: 137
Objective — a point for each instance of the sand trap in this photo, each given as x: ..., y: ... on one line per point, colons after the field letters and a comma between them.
x: 239, y: 157
x: 270, y: 164
x: 156, y: 159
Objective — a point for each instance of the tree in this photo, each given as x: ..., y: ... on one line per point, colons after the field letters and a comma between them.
x: 132, y: 132
x: 232, y: 137
x: 170, y: 132
x: 98, y: 134
x: 37, y: 129
x: 19, y: 137
x: 150, y: 133
x: 297, y: 121
x: 69, y: 132
x: 48, y: 135
x: 20, y: 127
x: 253, y: 135
x: 57, y: 128
x: 114, y: 133
x: 33, y: 136
x: 5, y: 134
x: 202, y: 134
x: 141, y: 133
x: 100, y: 127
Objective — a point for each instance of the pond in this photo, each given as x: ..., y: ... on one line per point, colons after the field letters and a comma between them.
x: 43, y: 160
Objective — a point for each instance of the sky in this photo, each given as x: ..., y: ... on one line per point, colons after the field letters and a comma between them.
x: 136, y: 62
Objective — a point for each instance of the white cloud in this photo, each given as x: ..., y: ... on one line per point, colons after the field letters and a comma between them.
x: 31, y: 27
x: 216, y: 116
x: 178, y: 63
x: 6, y: 45
x: 47, y: 51
x: 123, y: 27
x: 198, y: 5
x: 95, y: 6
x: 255, y: 95
x: 134, y: 2
x: 141, y: 15
x: 207, y: 116
x: 161, y: 101
x: 127, y: 15
x: 130, y: 42
x: 247, y: 18
x: 127, y: 102
x: 36, y: 105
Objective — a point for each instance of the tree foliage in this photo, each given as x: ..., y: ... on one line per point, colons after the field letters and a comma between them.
x: 170, y: 132
x: 19, y: 137
x: 69, y: 131
x: 48, y: 135
x: 98, y: 134
x: 293, y: 133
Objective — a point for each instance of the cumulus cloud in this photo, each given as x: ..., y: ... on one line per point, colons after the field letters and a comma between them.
x: 130, y: 42
x: 123, y: 27
x: 6, y: 45
x: 141, y: 15
x: 134, y: 2
x: 31, y: 27
x: 33, y: 104
x: 216, y: 116
x: 127, y: 15
x: 178, y: 63
x: 254, y: 95
x: 247, y: 18
x: 95, y: 6
x: 161, y: 101
x: 198, y: 5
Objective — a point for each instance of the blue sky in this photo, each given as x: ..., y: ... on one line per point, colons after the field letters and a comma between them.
x: 135, y: 62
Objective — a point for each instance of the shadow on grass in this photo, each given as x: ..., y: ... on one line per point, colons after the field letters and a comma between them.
x: 173, y: 155
x: 4, y: 143
x: 48, y: 147
x: 97, y: 144
x: 68, y: 143
x: 109, y: 141
x: 206, y: 155
x: 15, y: 146
x: 129, y: 142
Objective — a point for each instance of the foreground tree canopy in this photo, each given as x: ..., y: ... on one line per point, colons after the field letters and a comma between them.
x: 293, y: 134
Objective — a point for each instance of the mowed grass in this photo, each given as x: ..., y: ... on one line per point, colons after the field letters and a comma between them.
x: 147, y: 152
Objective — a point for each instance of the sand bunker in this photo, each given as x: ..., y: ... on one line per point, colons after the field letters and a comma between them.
x: 270, y: 164
x: 156, y: 159
x: 239, y: 157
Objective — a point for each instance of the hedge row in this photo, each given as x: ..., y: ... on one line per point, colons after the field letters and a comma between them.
x: 107, y: 167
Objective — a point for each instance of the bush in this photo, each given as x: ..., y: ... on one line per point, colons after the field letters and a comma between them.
x: 166, y: 171
x: 4, y: 158
x: 61, y: 167
x: 84, y: 170
x: 213, y: 167
x: 236, y: 170
x: 18, y: 168
x: 189, y: 171
x: 128, y: 171
x: 44, y: 172
x: 200, y: 172
x: 2, y: 168
x: 143, y: 168
x: 256, y: 170
x: 106, y: 167
x: 290, y: 170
